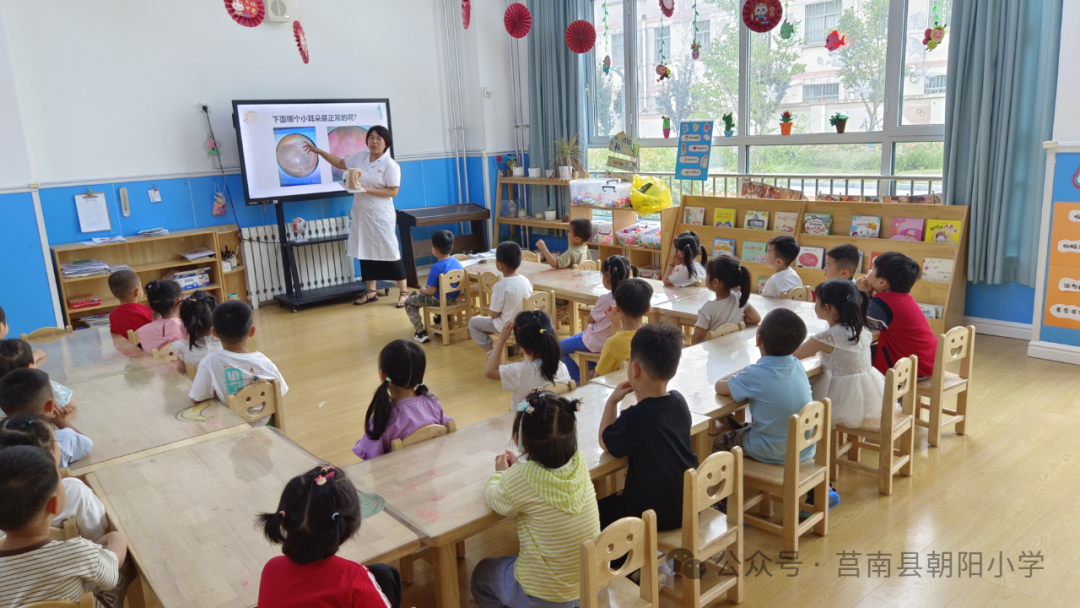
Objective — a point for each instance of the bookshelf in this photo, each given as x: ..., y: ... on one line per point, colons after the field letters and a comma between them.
x: 948, y: 295
x: 151, y: 258
x: 505, y: 184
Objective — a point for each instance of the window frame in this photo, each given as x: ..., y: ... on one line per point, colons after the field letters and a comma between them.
x: 892, y: 132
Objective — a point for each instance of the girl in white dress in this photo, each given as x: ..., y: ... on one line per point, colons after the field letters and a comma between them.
x: 849, y: 380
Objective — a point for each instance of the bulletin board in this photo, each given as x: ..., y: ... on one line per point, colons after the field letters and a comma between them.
x: 1063, y: 273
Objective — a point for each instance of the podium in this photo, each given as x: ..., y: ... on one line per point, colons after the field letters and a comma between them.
x: 407, y: 219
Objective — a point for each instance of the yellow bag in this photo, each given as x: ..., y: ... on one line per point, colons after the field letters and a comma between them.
x: 649, y: 195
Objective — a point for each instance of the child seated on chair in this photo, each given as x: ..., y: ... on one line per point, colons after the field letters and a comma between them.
x: 534, y: 333
x: 654, y: 434
x: 196, y: 312
x: 402, y: 403
x: 34, y: 568
x: 780, y: 255
x: 230, y: 369
x: 15, y: 354
x: 579, y: 234
x: 684, y: 269
x: 615, y: 270
x: 632, y: 302
x: 776, y: 387
x: 83, y: 506
x: 730, y: 281
x: 28, y: 391
x: 904, y: 330
x: 841, y: 262
x: 39, y: 355
x: 126, y: 286
x: 507, y: 296
x: 164, y: 297
x: 552, y: 495
x: 442, y: 244
x: 318, y: 512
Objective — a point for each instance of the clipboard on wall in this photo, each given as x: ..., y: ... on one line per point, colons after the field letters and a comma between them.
x: 93, y: 212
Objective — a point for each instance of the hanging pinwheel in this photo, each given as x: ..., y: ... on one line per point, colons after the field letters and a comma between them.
x: 580, y: 36
x: 667, y: 7
x: 466, y: 12
x: 517, y: 20
x: 247, y: 13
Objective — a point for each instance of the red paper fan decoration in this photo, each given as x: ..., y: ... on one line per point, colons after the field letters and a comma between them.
x: 580, y: 36
x: 247, y: 13
x: 466, y: 12
x: 667, y: 7
x: 762, y: 15
x: 518, y: 20
x: 301, y: 40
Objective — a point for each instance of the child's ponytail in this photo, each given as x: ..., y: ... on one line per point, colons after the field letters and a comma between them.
x: 618, y: 269
x: 744, y: 286
x: 690, y: 246
x: 731, y: 274
x: 534, y: 332
x: 404, y: 364
x: 546, y: 428
x: 162, y: 296
x: 318, y: 511
x: 196, y: 313
x: 852, y: 305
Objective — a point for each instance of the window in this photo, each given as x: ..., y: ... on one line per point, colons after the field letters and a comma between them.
x: 618, y: 50
x: 820, y: 92
x: 704, y: 34
x: 841, y: 159
x: 935, y: 85
x: 662, y: 50
x: 821, y: 18
x: 923, y: 99
x: 919, y: 158
x: 606, y: 102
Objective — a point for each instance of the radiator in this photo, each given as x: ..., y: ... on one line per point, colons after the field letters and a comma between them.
x: 320, y: 265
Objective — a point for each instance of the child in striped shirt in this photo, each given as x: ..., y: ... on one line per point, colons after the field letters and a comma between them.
x: 552, y: 496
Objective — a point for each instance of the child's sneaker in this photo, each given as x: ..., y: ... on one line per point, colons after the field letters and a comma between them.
x: 421, y: 336
x: 436, y: 320
x: 834, y: 499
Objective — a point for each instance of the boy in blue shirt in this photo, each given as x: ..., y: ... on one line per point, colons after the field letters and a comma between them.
x: 442, y: 243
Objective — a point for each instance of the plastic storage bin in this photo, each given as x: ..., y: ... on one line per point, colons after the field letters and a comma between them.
x: 602, y: 233
x: 642, y: 234
x: 593, y: 192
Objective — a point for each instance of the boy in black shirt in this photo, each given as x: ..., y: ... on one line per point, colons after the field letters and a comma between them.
x: 654, y: 434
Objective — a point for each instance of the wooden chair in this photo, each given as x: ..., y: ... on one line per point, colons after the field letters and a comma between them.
x: 958, y: 344
x: 540, y: 300
x: 561, y: 388
x: 165, y: 354
x: 706, y: 532
x: 636, y: 539
x: 587, y: 265
x: 487, y: 283
x: 422, y: 434
x: 461, y: 257
x: 529, y: 256
x: 454, y: 313
x: 133, y: 337
x: 800, y: 294
x: 790, y: 481
x: 86, y: 600
x: 67, y: 530
x: 583, y: 358
x: 880, y: 434
x: 267, y: 394
x: 723, y: 330
x: 44, y: 334
x: 191, y: 369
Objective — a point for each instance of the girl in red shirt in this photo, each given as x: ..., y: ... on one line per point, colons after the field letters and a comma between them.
x: 317, y: 513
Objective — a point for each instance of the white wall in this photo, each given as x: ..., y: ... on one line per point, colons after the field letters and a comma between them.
x: 14, y: 162
x: 1066, y: 120
x: 111, y: 89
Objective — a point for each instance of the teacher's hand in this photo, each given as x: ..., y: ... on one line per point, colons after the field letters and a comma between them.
x: 310, y: 149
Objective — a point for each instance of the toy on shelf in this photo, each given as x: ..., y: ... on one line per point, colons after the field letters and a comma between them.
x: 607, y: 193
x: 602, y: 234
x: 642, y: 234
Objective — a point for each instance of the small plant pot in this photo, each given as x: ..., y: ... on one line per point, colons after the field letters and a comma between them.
x: 785, y: 128
x: 523, y: 213
x: 518, y: 171
x: 729, y: 133
x: 539, y: 215
x: 534, y: 172
x: 566, y: 172
x: 667, y: 133
x: 841, y: 125
x: 551, y: 215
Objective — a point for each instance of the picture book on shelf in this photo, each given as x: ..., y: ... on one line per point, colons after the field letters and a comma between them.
x: 932, y: 311
x: 943, y: 231
x: 873, y: 256
x: 754, y: 252
x: 756, y: 220
x: 817, y: 223
x: 859, y: 269
x: 811, y: 257
x: 938, y: 270
x: 694, y: 215
x: 907, y: 229
x: 865, y: 226
x: 723, y: 218
x: 720, y: 246
x: 785, y: 221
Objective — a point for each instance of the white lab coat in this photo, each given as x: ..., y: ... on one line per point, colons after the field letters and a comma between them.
x: 373, y: 234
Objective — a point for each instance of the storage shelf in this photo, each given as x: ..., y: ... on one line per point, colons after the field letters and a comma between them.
x: 113, y: 302
x: 145, y: 268
x: 535, y: 223
x: 535, y: 181
x: 235, y: 269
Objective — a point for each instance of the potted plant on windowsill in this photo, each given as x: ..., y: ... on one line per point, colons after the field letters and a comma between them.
x: 839, y: 121
x: 729, y: 125
x: 785, y: 123
x: 550, y: 214
x: 567, y: 157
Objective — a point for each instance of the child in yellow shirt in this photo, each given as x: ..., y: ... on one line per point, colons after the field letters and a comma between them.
x: 632, y: 302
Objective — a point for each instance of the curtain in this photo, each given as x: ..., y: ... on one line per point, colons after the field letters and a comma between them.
x: 1002, y: 80
x: 556, y: 82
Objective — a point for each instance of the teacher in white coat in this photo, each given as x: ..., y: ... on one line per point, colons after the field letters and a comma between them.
x: 373, y: 235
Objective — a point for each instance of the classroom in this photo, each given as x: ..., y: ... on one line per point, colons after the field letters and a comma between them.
x: 539, y: 303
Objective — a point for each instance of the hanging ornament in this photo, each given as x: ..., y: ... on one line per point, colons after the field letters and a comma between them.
x: 762, y: 15
x: 466, y: 12
x: 695, y: 46
x: 517, y: 20
x: 834, y: 41
x: 667, y: 7
x: 787, y: 29
x: 663, y: 72
x: 580, y: 36
x: 212, y: 146
x: 301, y: 40
x: 607, y: 64
x: 934, y: 35
x: 247, y: 13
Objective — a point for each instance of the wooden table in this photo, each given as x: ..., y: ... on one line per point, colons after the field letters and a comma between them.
x: 142, y: 412
x: 438, y: 486
x: 190, y: 516
x: 685, y: 309
x: 407, y: 219
x: 91, y: 353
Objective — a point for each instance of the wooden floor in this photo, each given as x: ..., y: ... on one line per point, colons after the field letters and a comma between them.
x: 1011, y: 485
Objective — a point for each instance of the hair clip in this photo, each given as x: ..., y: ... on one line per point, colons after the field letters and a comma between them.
x: 327, y: 473
x: 334, y: 516
x: 541, y: 330
x: 417, y: 387
x: 524, y: 406
x: 281, y: 513
x: 388, y: 380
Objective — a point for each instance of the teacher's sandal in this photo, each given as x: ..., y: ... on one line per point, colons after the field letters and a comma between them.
x: 369, y: 296
x: 401, y: 301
